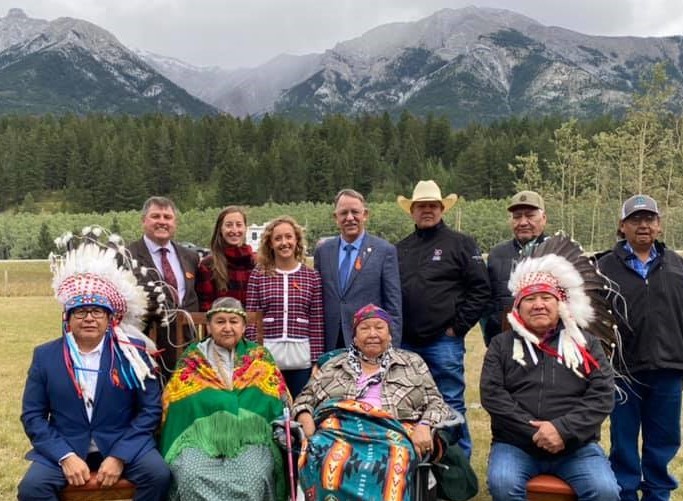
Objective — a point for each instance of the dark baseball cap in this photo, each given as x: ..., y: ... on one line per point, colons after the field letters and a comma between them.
x: 526, y: 198
x: 638, y: 203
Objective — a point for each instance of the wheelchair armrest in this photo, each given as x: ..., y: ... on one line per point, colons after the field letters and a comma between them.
x: 457, y: 420
x: 279, y: 433
x: 445, y: 426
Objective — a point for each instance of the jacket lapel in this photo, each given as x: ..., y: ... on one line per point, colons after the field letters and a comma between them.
x: 79, y: 403
x: 143, y: 256
x: 333, y: 257
x: 361, y: 260
x: 102, y: 377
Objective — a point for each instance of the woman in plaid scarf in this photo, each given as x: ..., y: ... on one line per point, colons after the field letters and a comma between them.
x: 225, y: 273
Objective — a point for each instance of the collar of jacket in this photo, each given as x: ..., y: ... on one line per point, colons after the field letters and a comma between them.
x: 427, y: 233
x: 622, y: 254
x: 535, y: 241
x: 341, y: 360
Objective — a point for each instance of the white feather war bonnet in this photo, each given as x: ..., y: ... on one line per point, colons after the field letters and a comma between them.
x: 558, y: 267
x: 92, y: 273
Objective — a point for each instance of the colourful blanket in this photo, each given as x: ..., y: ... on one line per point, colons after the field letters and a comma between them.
x: 358, y: 452
x: 203, y: 413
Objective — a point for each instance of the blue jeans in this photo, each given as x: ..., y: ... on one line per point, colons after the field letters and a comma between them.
x: 149, y: 473
x: 445, y: 357
x: 586, y: 470
x: 653, y: 405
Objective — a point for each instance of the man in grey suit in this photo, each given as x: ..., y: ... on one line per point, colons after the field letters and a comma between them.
x: 356, y: 269
x: 170, y: 262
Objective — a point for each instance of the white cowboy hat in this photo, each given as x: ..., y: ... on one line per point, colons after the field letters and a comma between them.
x: 427, y: 191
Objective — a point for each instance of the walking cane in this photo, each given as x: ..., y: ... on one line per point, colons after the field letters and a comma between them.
x: 290, y: 458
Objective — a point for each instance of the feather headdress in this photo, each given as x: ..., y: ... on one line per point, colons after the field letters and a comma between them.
x: 559, y: 267
x: 94, y: 273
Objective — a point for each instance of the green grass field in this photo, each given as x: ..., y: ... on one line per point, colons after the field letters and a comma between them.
x: 30, y: 278
x: 30, y: 316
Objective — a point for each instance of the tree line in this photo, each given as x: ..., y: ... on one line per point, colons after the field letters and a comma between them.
x: 588, y: 176
x: 104, y: 167
x: 112, y: 163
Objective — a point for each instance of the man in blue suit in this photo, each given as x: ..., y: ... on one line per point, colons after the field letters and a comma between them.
x: 92, y: 401
x: 356, y: 269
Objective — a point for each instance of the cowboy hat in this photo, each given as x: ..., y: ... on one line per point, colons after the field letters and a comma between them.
x: 427, y: 191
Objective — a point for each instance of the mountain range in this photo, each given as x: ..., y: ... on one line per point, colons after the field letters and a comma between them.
x: 470, y: 64
x: 70, y: 65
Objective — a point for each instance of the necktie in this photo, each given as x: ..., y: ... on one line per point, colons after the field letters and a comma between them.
x: 167, y: 271
x: 345, y: 267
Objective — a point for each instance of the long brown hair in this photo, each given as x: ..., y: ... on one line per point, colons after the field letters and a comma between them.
x: 218, y: 244
x: 266, y: 254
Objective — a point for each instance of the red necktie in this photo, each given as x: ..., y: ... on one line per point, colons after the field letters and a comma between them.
x: 167, y: 271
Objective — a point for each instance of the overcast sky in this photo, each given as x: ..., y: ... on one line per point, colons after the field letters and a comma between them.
x: 233, y: 33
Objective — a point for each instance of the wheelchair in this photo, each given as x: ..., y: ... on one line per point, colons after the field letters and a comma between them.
x: 428, y: 469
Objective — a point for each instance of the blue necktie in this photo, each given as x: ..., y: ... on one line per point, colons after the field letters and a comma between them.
x: 345, y: 267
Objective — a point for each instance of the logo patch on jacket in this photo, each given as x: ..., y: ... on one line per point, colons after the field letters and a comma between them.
x: 437, y: 255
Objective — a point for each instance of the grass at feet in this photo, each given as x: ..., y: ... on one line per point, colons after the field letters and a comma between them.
x: 26, y: 322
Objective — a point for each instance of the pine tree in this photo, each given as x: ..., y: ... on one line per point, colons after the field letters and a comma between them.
x: 45, y: 243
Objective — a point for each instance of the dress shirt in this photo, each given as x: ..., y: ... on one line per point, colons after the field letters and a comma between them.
x: 88, y: 380
x: 634, y: 262
x: 357, y: 243
x: 173, y: 259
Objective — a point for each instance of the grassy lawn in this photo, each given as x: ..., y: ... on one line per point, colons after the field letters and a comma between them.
x: 29, y: 278
x: 24, y: 323
x: 27, y: 321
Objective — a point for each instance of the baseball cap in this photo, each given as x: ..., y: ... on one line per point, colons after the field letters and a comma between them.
x: 638, y: 203
x: 528, y: 198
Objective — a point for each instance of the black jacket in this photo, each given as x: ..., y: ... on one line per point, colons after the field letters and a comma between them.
x: 444, y: 283
x: 653, y: 336
x: 499, y: 264
x: 513, y: 395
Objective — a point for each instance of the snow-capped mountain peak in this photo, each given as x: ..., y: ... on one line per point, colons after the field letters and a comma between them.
x: 75, y: 65
x: 17, y: 27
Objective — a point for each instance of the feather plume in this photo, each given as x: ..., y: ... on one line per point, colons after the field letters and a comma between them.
x: 586, y: 289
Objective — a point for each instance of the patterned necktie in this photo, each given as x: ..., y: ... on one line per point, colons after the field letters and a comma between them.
x: 345, y: 267
x: 167, y: 271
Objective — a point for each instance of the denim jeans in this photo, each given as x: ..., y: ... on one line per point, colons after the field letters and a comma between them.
x: 445, y: 357
x: 296, y: 379
x: 653, y: 405
x: 586, y: 470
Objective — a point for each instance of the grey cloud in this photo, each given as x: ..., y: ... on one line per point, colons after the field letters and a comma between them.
x: 234, y: 33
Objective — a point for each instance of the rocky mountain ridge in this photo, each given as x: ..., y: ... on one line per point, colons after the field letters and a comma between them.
x: 70, y: 65
x: 471, y: 65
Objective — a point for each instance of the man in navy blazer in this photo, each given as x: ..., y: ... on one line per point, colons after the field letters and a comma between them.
x: 91, y: 400
x: 356, y: 269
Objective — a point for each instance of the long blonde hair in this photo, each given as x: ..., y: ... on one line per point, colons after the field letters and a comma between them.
x: 266, y: 254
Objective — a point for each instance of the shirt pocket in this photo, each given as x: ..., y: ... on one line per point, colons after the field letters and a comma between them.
x: 405, y: 397
x: 299, y: 327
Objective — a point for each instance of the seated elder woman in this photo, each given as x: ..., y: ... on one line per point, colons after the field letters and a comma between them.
x: 368, y: 414
x: 217, y: 409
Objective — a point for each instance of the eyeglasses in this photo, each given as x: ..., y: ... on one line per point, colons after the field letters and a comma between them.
x: 345, y: 213
x: 647, y: 218
x: 96, y: 313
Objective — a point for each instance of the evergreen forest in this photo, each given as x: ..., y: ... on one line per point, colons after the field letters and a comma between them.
x: 102, y: 164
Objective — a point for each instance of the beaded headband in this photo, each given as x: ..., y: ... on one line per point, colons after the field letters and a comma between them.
x: 236, y: 311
